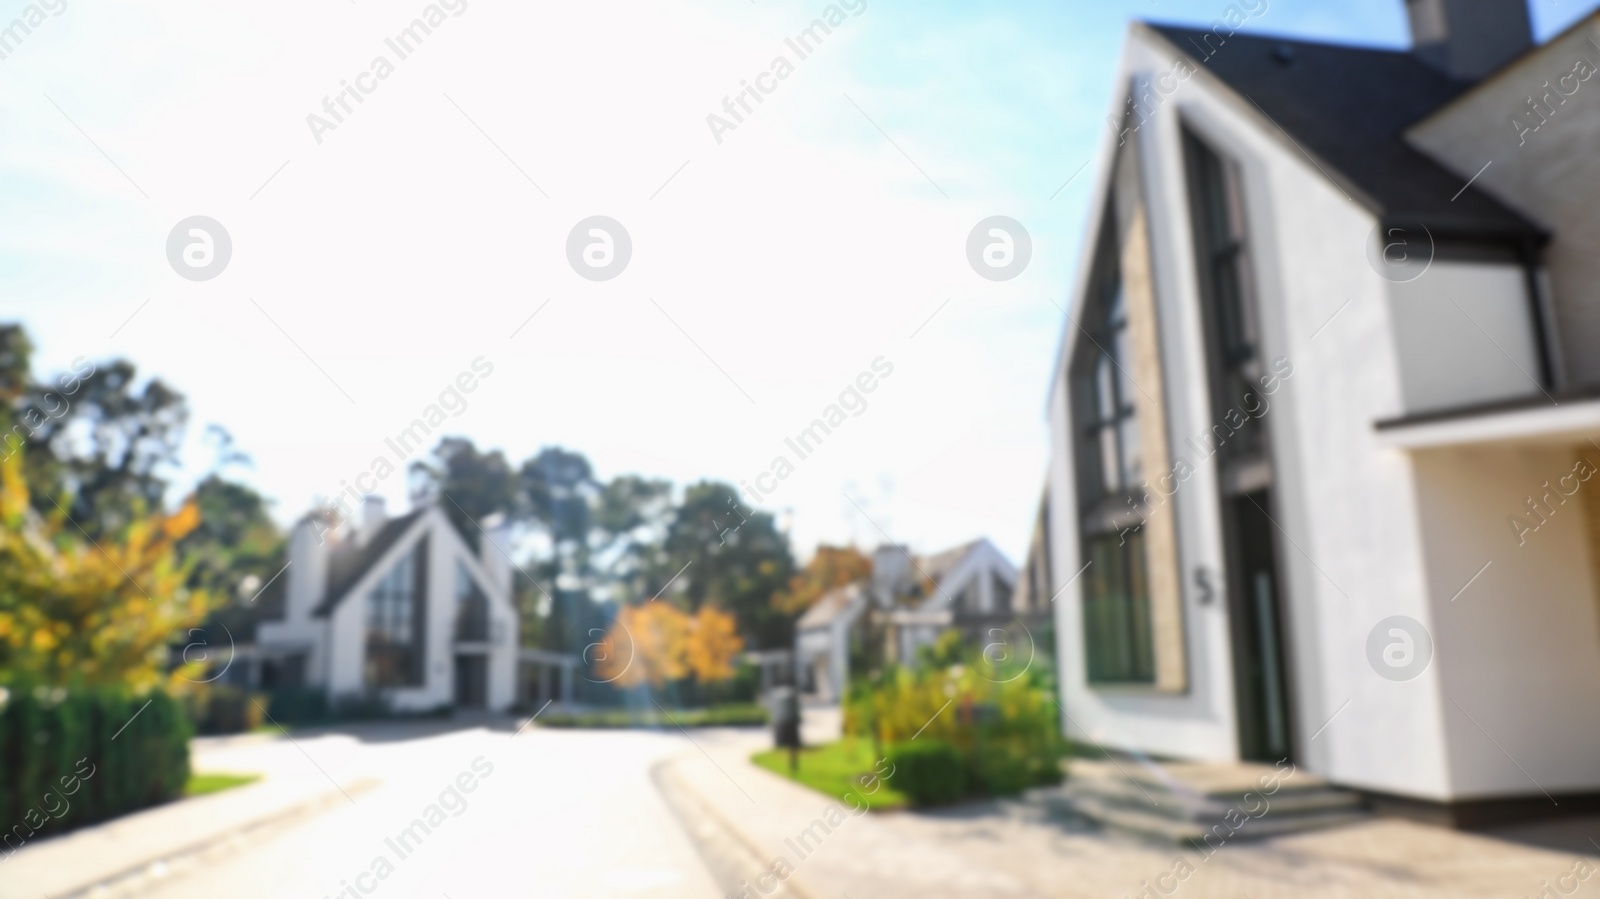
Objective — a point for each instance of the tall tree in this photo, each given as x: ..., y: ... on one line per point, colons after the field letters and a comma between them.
x: 16, y: 353
x: 469, y: 484
x: 559, y: 487
x: 112, y: 445
x: 604, y: 537
x: 729, y: 556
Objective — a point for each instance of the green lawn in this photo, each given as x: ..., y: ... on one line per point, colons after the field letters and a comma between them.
x: 835, y: 769
x: 202, y: 784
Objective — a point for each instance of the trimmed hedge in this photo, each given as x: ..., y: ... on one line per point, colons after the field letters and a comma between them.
x: 75, y: 757
x: 931, y: 772
x: 730, y: 715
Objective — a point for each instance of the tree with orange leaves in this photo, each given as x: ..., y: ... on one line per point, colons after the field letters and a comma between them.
x: 78, y: 611
x: 713, y: 645
x: 655, y: 642
x: 830, y: 567
x: 645, y: 644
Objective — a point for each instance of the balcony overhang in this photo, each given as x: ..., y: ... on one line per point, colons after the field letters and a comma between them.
x: 1542, y: 420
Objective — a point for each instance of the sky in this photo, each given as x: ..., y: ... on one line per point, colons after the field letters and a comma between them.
x: 777, y: 257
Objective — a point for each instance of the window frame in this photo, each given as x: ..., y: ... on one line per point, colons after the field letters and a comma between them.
x: 1118, y: 640
x: 396, y: 624
x: 1225, y: 275
x: 472, y: 620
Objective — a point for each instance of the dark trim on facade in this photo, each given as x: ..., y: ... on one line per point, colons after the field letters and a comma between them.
x: 1474, y: 814
x: 1480, y: 409
x: 1544, y: 328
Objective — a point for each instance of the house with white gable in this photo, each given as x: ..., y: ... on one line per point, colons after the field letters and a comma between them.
x: 905, y: 605
x: 1327, y: 411
x: 402, y: 611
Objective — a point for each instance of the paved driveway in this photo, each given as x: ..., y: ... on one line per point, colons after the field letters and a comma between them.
x: 549, y: 813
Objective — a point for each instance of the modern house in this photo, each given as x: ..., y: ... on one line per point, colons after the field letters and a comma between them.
x: 822, y: 639
x: 402, y: 611
x: 908, y: 602
x: 1327, y: 410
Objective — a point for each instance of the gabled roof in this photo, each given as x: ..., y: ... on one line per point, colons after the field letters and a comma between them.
x: 939, y: 564
x: 829, y: 606
x: 1347, y: 107
x: 347, y: 564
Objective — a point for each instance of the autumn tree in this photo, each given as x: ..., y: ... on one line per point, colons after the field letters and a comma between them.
x: 656, y: 642
x: 98, y: 612
x: 720, y: 552
x: 830, y: 567
x: 713, y: 645
x: 645, y: 644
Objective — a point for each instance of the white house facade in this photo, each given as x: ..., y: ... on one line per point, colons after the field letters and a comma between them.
x: 1325, y: 417
x: 974, y: 587
x: 822, y: 642
x: 907, y: 603
x: 403, y: 611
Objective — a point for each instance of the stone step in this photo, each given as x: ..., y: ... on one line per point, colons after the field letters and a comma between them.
x: 1202, y: 807
x: 1197, y: 802
x: 1228, y: 829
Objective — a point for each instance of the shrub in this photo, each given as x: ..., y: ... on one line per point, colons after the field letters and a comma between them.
x: 1006, y: 731
x: 298, y: 705
x: 931, y: 772
x: 74, y: 757
x: 224, y: 709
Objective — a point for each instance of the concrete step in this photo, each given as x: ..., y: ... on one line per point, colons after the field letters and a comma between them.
x: 1200, y: 807
x: 1228, y: 828
x: 1197, y: 803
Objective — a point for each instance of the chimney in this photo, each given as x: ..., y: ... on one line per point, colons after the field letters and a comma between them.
x: 1469, y: 39
x: 494, y: 551
x: 891, y: 573
x: 373, y: 515
x: 307, y: 577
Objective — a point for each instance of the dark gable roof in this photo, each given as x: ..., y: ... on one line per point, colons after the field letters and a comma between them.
x: 347, y: 564
x: 938, y: 565
x: 1348, y: 107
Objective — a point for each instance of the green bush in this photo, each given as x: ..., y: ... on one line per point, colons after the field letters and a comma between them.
x: 1006, y: 729
x: 74, y: 757
x: 931, y: 772
x: 224, y: 709
x: 298, y: 705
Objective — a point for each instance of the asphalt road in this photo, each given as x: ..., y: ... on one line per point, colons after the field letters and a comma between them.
x: 548, y: 813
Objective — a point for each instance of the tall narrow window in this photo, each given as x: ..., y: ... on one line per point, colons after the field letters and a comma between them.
x: 1116, y: 610
x: 1227, y: 293
x: 1111, y: 426
x: 472, y: 609
x: 1116, y: 603
x: 395, y: 623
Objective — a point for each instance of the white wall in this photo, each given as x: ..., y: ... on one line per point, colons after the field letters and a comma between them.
x: 1551, y: 175
x: 305, y: 582
x: 1350, y: 550
x: 445, y: 550
x: 1519, y: 650
x: 1464, y: 334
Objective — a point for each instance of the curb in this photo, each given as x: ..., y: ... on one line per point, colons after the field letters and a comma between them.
x: 140, y: 876
x: 735, y: 860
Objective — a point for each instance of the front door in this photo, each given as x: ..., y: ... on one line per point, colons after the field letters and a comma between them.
x: 1260, y: 666
x: 472, y: 681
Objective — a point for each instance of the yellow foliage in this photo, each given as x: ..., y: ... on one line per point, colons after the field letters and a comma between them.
x: 832, y: 566
x: 74, y: 610
x: 655, y: 642
x: 714, y: 645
